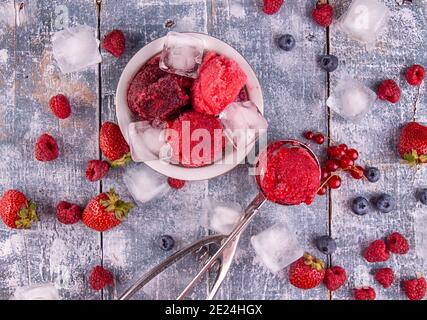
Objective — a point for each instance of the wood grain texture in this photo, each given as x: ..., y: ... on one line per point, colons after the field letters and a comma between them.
x: 50, y: 252
x: 376, y: 138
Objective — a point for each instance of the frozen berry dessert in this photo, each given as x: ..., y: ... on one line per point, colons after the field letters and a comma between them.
x: 287, y: 174
x: 196, y: 139
x: 156, y: 95
x: 219, y: 83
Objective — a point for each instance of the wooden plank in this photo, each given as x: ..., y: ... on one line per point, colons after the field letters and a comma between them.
x: 131, y: 249
x: 400, y: 46
x: 294, y: 93
x: 50, y: 252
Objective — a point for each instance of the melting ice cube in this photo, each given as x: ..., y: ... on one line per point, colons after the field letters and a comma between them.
x: 147, y: 142
x: 421, y: 236
x: 182, y: 54
x: 365, y: 20
x: 277, y: 247
x: 37, y: 292
x: 143, y: 183
x: 76, y: 48
x: 243, y: 123
x: 351, y: 99
x: 221, y: 217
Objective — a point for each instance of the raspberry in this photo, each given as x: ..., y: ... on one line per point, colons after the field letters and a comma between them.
x: 100, y: 278
x: 415, y: 75
x: 176, y: 183
x: 377, y: 252
x: 60, y: 106
x: 397, y: 243
x: 96, y: 170
x: 385, y: 277
x: 415, y: 289
x: 367, y: 293
x: 46, y: 148
x: 272, y: 6
x: 68, y: 213
x: 115, y: 43
x: 335, y: 277
x: 389, y: 90
x: 323, y: 14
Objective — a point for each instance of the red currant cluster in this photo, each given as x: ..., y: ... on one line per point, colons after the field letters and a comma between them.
x: 340, y: 159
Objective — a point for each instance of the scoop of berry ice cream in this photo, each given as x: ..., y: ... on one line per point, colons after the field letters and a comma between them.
x: 219, y: 83
x: 196, y: 139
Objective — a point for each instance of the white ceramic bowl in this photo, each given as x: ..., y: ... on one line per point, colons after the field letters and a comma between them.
x: 125, y: 116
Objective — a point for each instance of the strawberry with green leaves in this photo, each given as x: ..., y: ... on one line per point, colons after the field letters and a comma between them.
x: 16, y: 211
x: 307, y: 272
x: 106, y: 211
x: 113, y: 145
x: 413, y: 143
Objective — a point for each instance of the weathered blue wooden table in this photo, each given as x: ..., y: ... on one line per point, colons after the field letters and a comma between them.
x: 295, y: 91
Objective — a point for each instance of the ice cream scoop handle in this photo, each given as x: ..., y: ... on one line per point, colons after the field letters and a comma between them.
x: 250, y: 212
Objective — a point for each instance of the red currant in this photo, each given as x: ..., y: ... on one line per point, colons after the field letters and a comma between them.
x: 343, y: 147
x: 331, y: 165
x: 331, y: 151
x: 308, y: 135
x: 352, y: 154
x: 357, y: 172
x: 319, y: 138
x: 334, y: 182
x: 325, y: 174
x: 322, y: 191
x: 339, y: 153
x: 346, y: 162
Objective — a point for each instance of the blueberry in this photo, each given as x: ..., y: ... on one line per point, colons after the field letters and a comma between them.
x: 329, y: 62
x: 373, y: 174
x: 360, y: 206
x: 422, y: 196
x: 286, y: 42
x: 385, y: 203
x: 167, y: 243
x: 326, y: 244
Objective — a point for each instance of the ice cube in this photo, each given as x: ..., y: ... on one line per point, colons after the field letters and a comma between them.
x: 76, y: 48
x: 221, y: 217
x: 143, y: 183
x: 421, y: 236
x: 351, y: 99
x: 243, y: 123
x: 45, y: 291
x: 365, y: 20
x: 277, y: 247
x: 182, y: 54
x: 147, y: 142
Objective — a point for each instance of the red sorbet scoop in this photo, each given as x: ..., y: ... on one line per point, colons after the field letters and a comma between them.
x: 196, y: 139
x: 287, y: 174
x: 219, y: 83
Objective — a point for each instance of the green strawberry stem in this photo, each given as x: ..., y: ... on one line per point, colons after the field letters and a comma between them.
x: 122, y: 161
x: 313, y: 262
x: 26, y: 216
x: 114, y: 204
x: 413, y: 158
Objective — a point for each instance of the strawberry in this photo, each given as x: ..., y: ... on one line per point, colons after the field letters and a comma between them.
x: 415, y: 289
x: 16, y: 211
x: 60, y: 106
x: 385, y: 277
x: 397, y: 243
x: 272, y: 6
x: 113, y: 145
x: 413, y: 143
x: 106, y: 211
x: 367, y: 293
x: 115, y: 43
x: 335, y: 277
x: 307, y: 272
x: 323, y: 14
x: 377, y: 252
